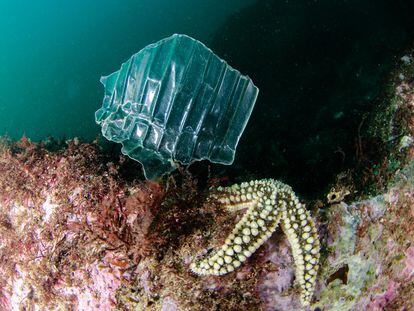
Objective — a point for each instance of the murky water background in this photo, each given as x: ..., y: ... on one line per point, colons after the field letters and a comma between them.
x: 320, y: 65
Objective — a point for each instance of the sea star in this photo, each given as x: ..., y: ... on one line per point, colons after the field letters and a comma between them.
x: 267, y: 201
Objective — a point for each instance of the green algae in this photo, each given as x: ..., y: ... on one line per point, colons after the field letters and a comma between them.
x: 340, y: 296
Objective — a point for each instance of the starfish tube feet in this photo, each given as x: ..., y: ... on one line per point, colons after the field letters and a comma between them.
x: 268, y: 202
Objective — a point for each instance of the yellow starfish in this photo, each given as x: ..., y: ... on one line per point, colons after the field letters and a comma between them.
x: 267, y: 201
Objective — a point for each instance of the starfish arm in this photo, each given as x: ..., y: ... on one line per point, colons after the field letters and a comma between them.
x: 237, y: 197
x: 302, y: 235
x: 255, y: 227
x: 268, y: 201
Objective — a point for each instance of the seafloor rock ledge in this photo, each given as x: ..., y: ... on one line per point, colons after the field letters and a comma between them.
x: 78, y: 233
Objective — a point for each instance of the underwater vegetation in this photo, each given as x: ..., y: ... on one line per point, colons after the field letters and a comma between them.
x: 78, y: 233
x: 82, y: 229
x: 55, y: 237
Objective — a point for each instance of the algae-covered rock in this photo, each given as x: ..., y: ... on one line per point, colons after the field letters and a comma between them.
x: 76, y: 234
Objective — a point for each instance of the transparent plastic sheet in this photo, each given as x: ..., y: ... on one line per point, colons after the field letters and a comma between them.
x: 176, y: 101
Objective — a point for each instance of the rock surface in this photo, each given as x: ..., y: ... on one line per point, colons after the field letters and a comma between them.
x: 77, y: 234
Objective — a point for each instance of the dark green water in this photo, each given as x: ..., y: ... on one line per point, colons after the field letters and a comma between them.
x: 319, y: 65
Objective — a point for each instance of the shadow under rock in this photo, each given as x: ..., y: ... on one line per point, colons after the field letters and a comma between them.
x: 319, y: 66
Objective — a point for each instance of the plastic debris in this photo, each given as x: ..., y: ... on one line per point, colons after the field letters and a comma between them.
x: 176, y: 101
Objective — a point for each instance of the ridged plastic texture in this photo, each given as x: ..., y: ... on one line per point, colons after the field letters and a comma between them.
x: 176, y: 101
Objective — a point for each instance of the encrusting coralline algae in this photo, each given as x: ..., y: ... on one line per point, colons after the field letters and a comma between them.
x: 76, y: 233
